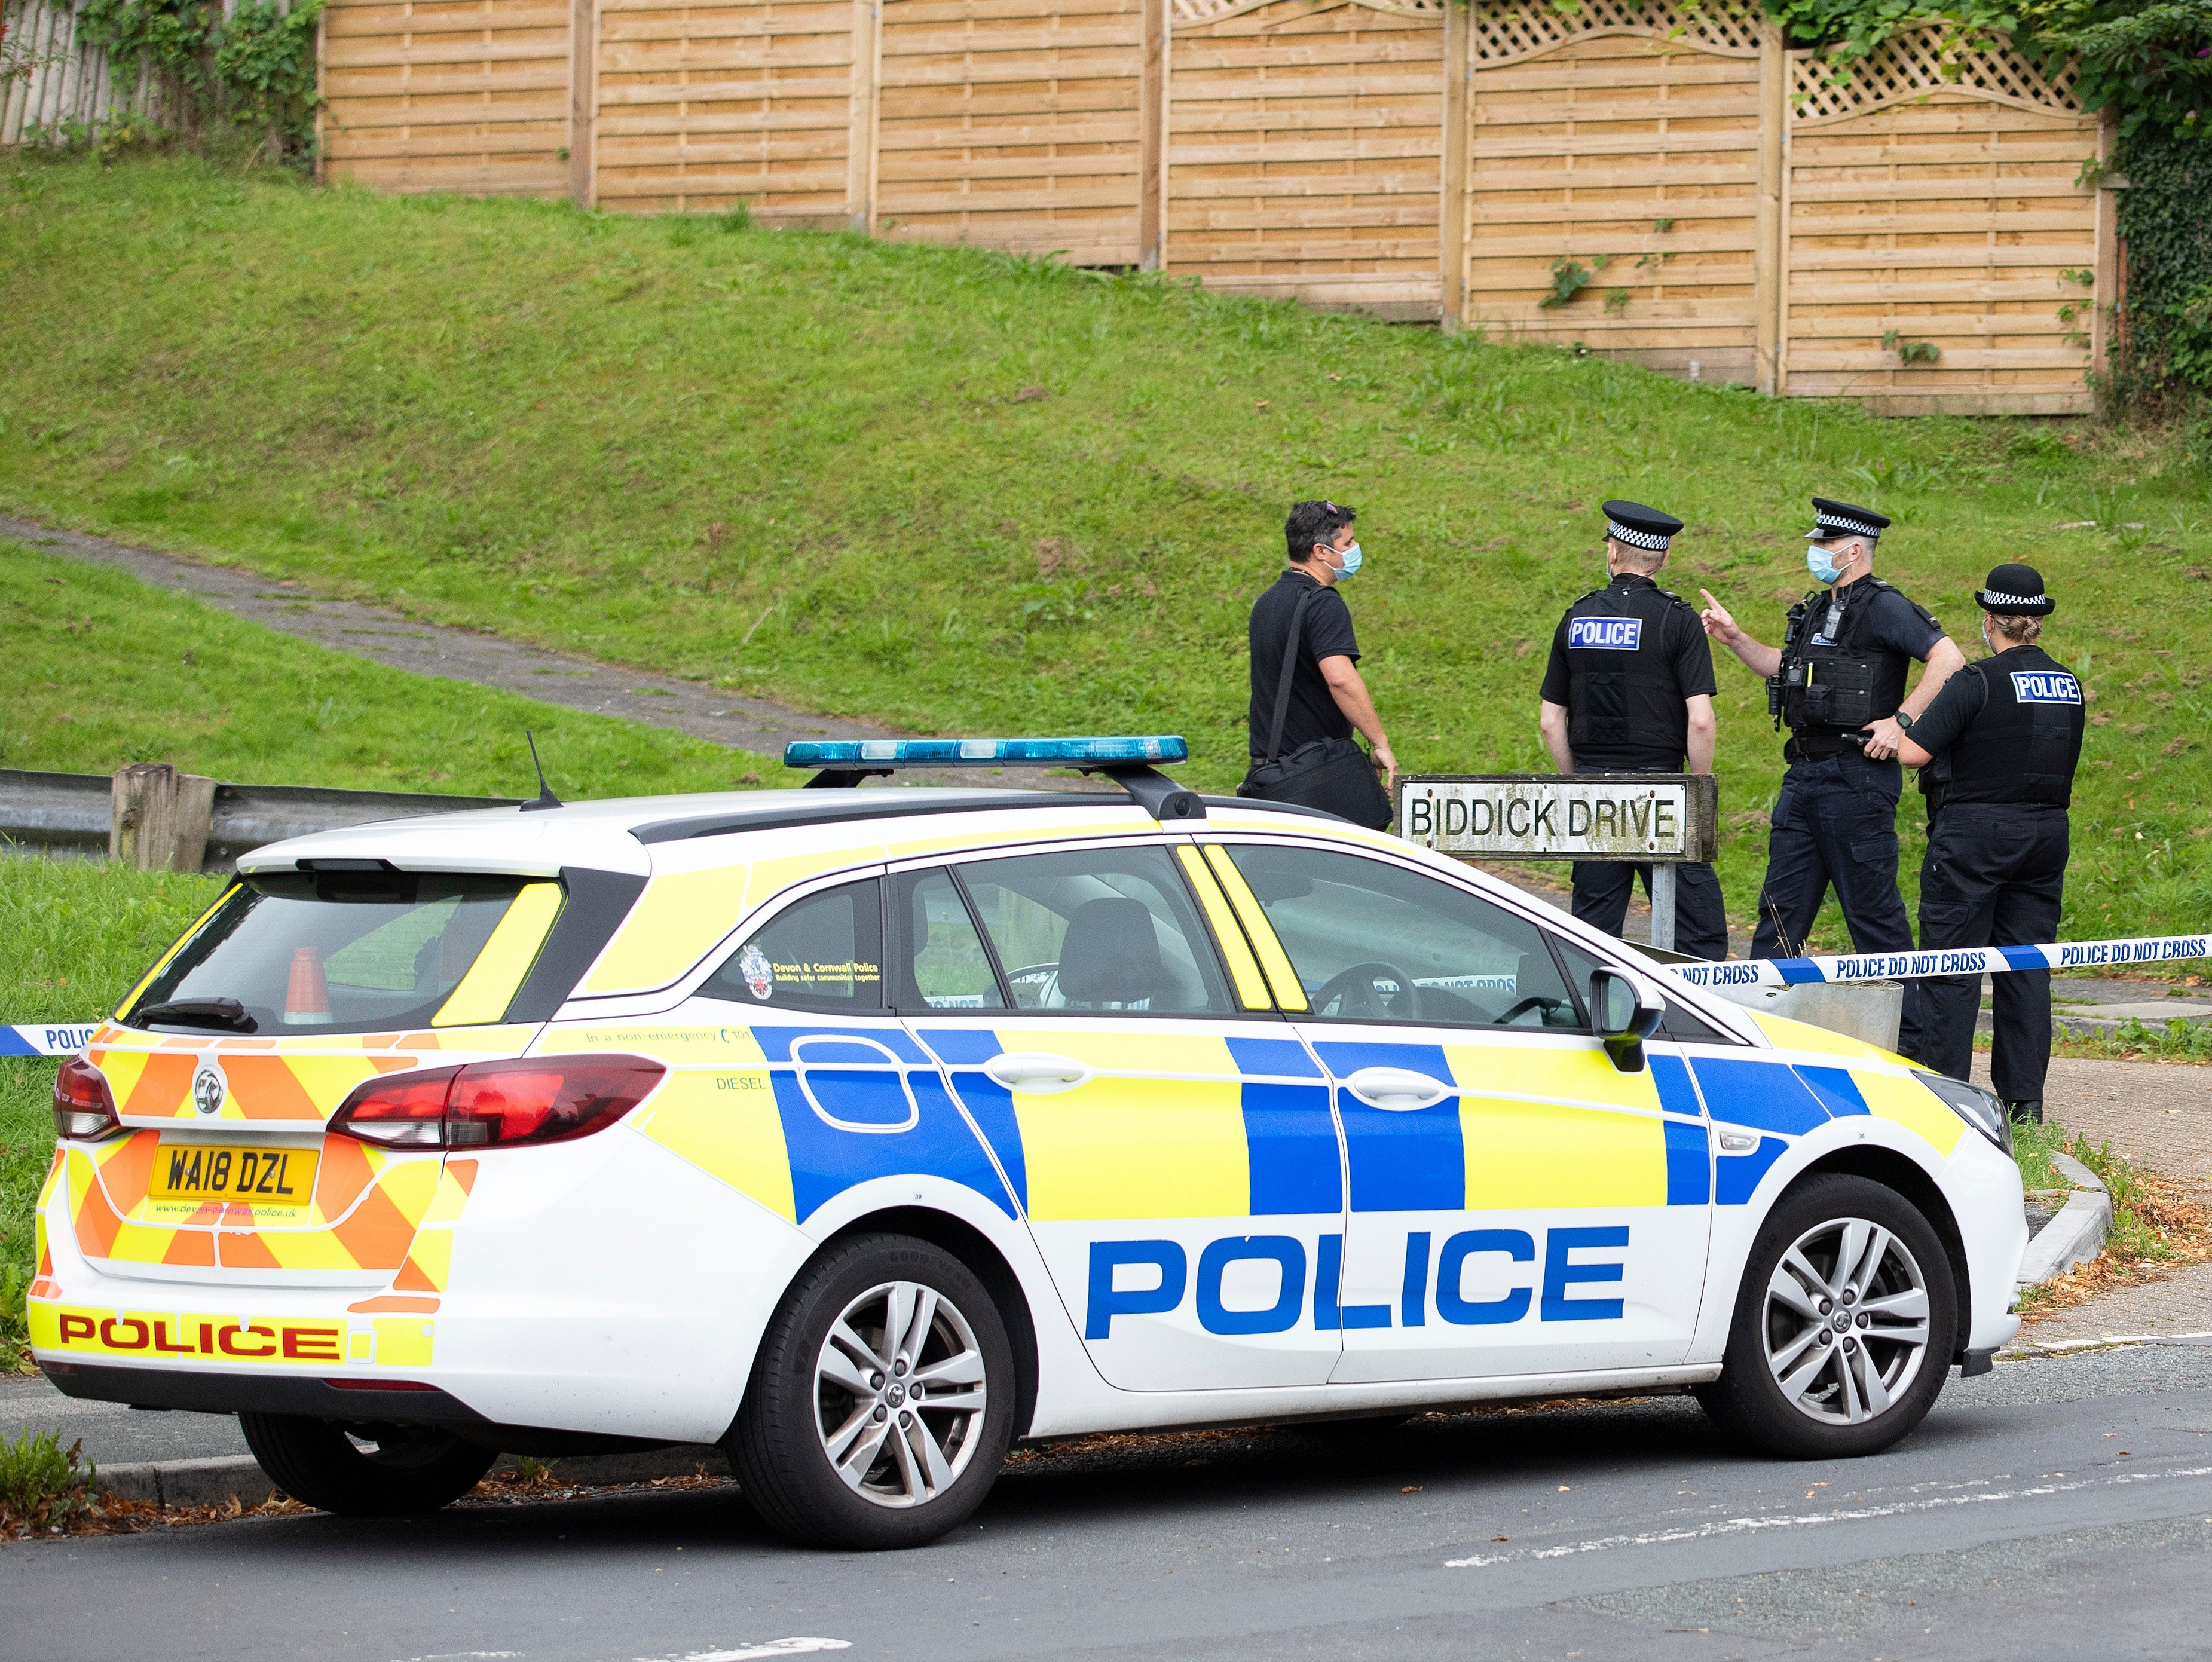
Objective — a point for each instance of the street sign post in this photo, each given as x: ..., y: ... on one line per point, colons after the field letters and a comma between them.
x: 1662, y: 818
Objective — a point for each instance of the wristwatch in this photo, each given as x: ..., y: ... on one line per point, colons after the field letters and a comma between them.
x: 1904, y: 722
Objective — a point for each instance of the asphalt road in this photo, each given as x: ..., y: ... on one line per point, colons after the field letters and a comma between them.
x: 2050, y: 1506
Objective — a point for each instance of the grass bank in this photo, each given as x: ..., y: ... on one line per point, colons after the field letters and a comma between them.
x: 100, y: 670
x: 965, y: 492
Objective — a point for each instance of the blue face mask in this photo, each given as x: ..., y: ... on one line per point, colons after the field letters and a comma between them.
x: 1351, y: 566
x: 1822, y: 564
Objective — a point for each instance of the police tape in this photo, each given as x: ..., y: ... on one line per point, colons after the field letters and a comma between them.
x: 1952, y: 961
x: 47, y: 1038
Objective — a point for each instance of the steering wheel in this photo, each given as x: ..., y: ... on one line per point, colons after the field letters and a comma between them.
x: 1536, y: 1002
x: 1357, y: 983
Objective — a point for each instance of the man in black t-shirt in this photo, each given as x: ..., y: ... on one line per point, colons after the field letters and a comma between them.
x: 1629, y: 689
x: 1838, y: 681
x: 1328, y: 701
x: 2005, y: 735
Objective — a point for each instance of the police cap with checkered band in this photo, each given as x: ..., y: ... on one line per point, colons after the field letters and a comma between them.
x: 1640, y: 527
x: 1833, y: 520
x: 2015, y: 590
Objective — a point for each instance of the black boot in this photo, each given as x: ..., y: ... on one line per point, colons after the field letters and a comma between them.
x: 2025, y: 1113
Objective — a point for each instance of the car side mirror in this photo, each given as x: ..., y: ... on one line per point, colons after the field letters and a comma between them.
x: 1626, y: 1009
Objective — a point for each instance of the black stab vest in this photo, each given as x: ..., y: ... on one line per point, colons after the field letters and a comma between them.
x: 1839, y: 688
x: 2024, y: 746
x: 1625, y: 706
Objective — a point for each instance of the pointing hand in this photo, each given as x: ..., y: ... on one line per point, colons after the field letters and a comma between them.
x: 1718, y: 624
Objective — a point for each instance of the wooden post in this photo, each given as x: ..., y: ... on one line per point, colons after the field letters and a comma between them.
x: 583, y: 102
x: 1152, y: 137
x: 2111, y: 277
x: 861, y: 107
x: 322, y: 98
x: 159, y: 819
x: 1459, y: 115
x: 1770, y: 263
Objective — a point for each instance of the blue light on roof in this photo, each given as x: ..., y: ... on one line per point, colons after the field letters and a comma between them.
x: 986, y: 752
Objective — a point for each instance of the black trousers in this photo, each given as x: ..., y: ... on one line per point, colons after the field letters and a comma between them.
x: 1835, y: 824
x: 1602, y: 888
x: 1994, y: 876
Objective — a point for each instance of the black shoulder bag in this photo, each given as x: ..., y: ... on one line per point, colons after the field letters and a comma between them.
x: 1333, y: 775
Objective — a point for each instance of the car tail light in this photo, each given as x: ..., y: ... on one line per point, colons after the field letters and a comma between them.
x: 498, y: 1104
x: 84, y: 1108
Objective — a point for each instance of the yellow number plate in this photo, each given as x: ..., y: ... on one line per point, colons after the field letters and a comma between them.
x: 222, y: 1171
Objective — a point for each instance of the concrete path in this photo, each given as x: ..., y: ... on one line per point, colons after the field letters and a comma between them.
x: 387, y: 637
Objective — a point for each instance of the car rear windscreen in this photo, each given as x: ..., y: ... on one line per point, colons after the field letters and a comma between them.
x: 333, y: 951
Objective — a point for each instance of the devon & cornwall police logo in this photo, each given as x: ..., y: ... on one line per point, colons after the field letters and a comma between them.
x: 753, y: 965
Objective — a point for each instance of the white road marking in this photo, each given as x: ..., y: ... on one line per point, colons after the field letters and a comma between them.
x: 754, y: 1653
x: 1747, y: 1525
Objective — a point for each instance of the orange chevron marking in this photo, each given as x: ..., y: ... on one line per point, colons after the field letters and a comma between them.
x: 264, y: 1087
x: 346, y: 1172
x: 377, y: 1233
x: 411, y: 1278
x: 97, y: 1224
x: 191, y: 1247
x: 245, y: 1252
x: 164, y: 1087
x: 386, y: 1304
x: 127, y: 1173
x: 463, y: 1171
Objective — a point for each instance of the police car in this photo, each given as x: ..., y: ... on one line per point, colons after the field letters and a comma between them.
x: 867, y: 1132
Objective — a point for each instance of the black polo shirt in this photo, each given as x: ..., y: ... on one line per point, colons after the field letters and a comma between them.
x: 1325, y: 632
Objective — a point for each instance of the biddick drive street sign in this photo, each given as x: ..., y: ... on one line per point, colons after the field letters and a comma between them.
x: 1658, y: 817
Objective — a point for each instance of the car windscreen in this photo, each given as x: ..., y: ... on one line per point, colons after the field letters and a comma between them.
x: 331, y: 951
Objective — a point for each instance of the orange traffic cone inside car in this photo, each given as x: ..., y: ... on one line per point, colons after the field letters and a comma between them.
x: 307, y: 996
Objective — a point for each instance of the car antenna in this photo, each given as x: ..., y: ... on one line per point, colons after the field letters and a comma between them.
x: 545, y: 797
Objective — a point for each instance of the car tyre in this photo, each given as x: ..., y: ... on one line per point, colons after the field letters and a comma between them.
x: 409, y: 1473
x: 882, y: 1399
x: 1845, y: 1324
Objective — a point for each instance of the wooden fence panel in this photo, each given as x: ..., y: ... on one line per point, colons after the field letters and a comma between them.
x: 701, y: 106
x: 72, y: 86
x: 1012, y: 123
x: 1632, y: 151
x: 1306, y: 151
x: 1944, y: 211
x: 467, y: 95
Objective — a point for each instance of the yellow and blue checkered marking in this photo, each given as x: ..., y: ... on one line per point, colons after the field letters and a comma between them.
x: 1246, y: 1132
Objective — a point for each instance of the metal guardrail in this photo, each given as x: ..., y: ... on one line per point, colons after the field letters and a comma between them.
x: 69, y: 815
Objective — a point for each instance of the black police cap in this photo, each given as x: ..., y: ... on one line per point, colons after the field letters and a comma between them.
x: 1832, y: 520
x: 2015, y: 592
x: 1640, y: 527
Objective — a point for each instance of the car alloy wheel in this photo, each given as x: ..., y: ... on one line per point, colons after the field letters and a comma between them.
x: 1846, y: 1321
x: 900, y: 1392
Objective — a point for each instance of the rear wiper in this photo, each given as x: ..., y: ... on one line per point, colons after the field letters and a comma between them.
x: 225, y: 1013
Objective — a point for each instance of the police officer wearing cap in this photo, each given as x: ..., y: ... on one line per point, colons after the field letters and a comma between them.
x: 1629, y: 689
x: 2003, y: 740
x: 1837, y: 682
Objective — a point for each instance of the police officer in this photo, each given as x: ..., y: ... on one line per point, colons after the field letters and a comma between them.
x: 2002, y: 738
x: 1838, y: 681
x: 1629, y: 689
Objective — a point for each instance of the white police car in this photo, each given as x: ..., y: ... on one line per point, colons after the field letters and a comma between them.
x: 867, y: 1132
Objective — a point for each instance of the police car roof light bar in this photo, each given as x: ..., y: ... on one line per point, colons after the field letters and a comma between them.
x: 1126, y: 759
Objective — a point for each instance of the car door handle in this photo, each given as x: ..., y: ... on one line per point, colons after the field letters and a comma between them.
x: 1036, y: 1070
x: 1399, y: 1090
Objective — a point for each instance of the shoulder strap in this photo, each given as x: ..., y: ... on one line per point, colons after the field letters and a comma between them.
x: 1282, y: 680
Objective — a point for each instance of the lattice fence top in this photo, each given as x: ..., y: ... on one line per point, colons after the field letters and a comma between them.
x: 1504, y: 33
x: 1191, y: 13
x: 1522, y: 28
x: 1910, y: 66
